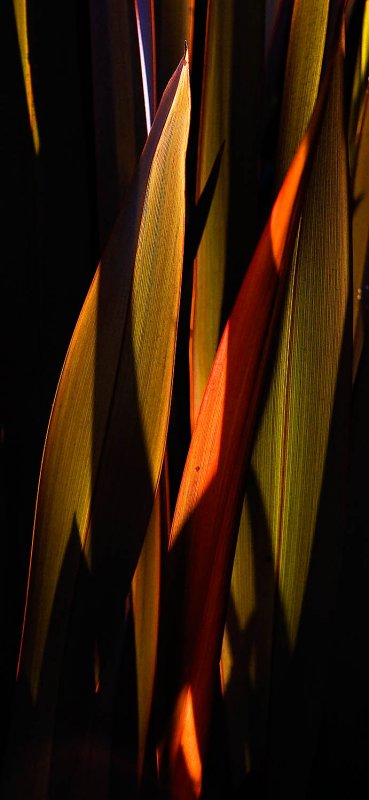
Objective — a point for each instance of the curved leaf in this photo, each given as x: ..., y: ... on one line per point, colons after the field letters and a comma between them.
x: 305, y: 415
x: 106, y: 438
x: 202, y: 539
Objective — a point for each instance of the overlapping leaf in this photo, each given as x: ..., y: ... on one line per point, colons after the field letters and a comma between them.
x: 118, y: 105
x: 145, y: 21
x: 360, y: 234
x: 106, y: 437
x: 250, y: 620
x: 202, y: 538
x: 230, y: 114
x: 305, y: 414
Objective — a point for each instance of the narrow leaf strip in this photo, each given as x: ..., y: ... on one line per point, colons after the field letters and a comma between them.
x: 20, y: 11
x: 302, y: 76
x: 105, y: 442
x: 359, y: 86
x: 145, y: 21
x: 360, y: 236
x: 209, y: 497
x: 146, y: 598
x: 118, y: 104
x: 230, y: 114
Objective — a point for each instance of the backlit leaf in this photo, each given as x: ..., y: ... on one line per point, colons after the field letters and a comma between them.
x: 202, y: 539
x: 106, y: 437
x: 304, y: 417
x: 145, y: 21
x: 20, y: 11
x: 230, y: 114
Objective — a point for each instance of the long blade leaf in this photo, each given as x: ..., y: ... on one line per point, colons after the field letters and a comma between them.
x: 206, y: 511
x: 105, y: 442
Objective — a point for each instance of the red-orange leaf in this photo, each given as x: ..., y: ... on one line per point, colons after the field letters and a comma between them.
x: 209, y: 497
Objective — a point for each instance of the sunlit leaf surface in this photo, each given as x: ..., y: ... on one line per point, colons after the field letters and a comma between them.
x: 307, y: 393
x: 20, y: 10
x: 250, y: 617
x: 105, y: 443
x: 230, y: 115
x: 202, y: 538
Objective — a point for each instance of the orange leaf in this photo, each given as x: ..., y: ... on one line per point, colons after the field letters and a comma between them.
x: 204, y: 524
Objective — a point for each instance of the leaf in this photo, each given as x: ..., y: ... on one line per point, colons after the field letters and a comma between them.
x: 174, y: 26
x: 302, y: 76
x: 146, y: 603
x: 145, y: 21
x: 202, y: 539
x: 360, y: 83
x: 106, y: 437
x: 20, y: 11
x: 360, y: 236
x: 246, y: 653
x: 295, y: 476
x: 118, y: 106
x: 230, y: 113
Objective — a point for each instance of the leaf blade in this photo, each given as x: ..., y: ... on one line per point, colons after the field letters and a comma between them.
x: 91, y: 458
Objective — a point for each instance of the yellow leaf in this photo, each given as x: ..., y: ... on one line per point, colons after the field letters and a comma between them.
x: 106, y: 438
x: 230, y: 113
x: 20, y: 11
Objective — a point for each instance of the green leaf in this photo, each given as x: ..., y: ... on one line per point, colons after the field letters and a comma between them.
x: 289, y: 510
x: 230, y: 114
